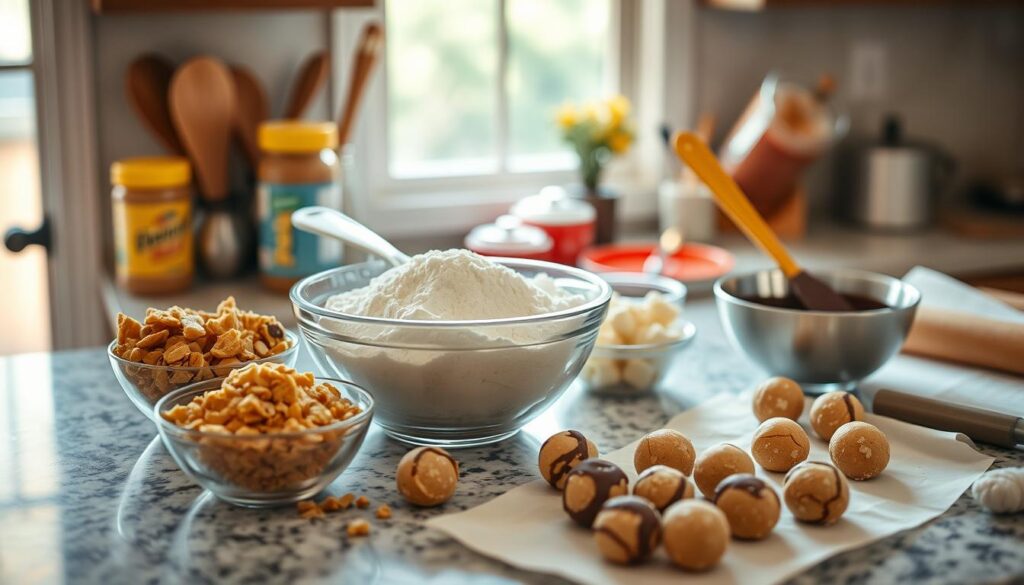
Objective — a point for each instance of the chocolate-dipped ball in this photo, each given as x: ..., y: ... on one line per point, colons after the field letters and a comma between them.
x: 696, y: 534
x: 662, y: 486
x: 779, y: 444
x: 718, y: 463
x: 560, y: 453
x: 427, y: 476
x: 751, y: 506
x: 665, y: 447
x: 627, y: 529
x: 778, y: 397
x: 816, y: 492
x: 859, y: 450
x: 833, y: 410
x: 589, y: 485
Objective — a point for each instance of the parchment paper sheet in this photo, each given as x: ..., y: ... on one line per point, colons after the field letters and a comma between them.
x: 927, y: 472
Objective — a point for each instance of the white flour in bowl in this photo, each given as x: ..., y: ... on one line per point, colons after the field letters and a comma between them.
x: 454, y: 285
x: 444, y: 380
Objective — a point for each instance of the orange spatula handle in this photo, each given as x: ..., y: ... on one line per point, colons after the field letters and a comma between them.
x: 692, y: 150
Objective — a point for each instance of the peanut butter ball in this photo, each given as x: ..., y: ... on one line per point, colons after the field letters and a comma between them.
x: 833, y: 410
x: 662, y: 486
x: 627, y: 530
x: 816, y: 492
x: 696, y: 534
x: 589, y: 485
x: 778, y: 397
x: 427, y: 476
x: 665, y: 447
x: 751, y: 506
x: 779, y: 444
x: 859, y: 450
x: 718, y: 463
x: 560, y: 453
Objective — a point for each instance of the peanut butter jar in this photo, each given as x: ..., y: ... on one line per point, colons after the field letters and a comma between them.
x: 298, y: 168
x: 152, y: 214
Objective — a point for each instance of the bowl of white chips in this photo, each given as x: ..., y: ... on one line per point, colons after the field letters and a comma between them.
x: 642, y: 334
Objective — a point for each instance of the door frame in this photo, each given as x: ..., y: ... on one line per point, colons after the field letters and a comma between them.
x: 68, y: 165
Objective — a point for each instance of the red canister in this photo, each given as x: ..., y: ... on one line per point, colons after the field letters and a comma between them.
x: 568, y: 221
x: 508, y: 236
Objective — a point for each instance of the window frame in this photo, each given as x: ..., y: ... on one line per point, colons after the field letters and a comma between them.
x: 400, y: 207
x: 62, y: 61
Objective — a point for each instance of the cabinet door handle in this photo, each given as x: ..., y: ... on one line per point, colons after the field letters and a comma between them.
x: 17, y: 239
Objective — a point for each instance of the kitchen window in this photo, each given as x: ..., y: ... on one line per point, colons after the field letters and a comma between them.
x: 460, y: 116
x: 472, y: 84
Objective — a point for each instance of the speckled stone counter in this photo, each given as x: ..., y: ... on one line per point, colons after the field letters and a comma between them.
x: 88, y: 494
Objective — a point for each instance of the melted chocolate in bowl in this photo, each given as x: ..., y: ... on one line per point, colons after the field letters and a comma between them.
x: 858, y: 302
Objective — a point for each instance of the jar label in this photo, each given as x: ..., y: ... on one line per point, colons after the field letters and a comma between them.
x: 153, y: 240
x: 283, y: 250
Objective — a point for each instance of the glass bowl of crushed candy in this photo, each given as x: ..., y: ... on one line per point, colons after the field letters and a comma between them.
x: 175, y: 347
x: 458, y: 350
x: 266, y: 435
x: 641, y: 336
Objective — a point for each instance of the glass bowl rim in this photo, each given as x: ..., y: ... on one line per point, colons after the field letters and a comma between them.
x: 603, y: 297
x: 163, y: 425
x: 651, y: 282
x: 293, y: 337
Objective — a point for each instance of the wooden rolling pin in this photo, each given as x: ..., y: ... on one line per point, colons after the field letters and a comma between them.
x: 982, y: 425
x: 967, y: 339
x: 1014, y: 299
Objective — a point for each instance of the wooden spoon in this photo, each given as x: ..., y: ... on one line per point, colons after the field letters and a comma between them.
x: 146, y: 82
x: 252, y: 110
x: 311, y: 78
x: 370, y: 44
x: 814, y: 294
x: 203, y: 103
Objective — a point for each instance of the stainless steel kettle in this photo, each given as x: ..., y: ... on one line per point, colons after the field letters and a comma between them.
x: 897, y: 183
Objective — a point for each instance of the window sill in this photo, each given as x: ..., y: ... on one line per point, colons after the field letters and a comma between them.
x: 458, y: 211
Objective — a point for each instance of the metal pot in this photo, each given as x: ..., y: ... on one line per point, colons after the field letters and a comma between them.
x: 897, y: 183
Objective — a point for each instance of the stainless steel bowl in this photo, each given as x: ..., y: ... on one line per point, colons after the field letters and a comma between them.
x: 816, y: 347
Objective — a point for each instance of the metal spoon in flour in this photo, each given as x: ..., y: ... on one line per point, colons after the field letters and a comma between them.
x: 327, y: 222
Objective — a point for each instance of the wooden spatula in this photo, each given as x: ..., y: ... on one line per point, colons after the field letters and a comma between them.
x: 146, y: 82
x: 252, y: 110
x: 202, y: 98
x: 311, y: 78
x: 370, y: 44
x: 814, y: 294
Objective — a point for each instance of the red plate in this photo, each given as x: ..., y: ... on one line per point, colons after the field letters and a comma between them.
x: 692, y: 263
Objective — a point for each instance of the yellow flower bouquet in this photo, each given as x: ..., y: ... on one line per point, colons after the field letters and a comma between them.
x: 597, y: 132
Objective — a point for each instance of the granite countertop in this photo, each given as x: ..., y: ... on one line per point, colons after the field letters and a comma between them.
x: 88, y: 494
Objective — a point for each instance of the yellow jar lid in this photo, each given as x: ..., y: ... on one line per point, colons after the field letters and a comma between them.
x: 295, y: 136
x: 151, y: 172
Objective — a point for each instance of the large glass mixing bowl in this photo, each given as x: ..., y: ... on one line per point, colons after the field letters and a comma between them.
x: 453, y: 383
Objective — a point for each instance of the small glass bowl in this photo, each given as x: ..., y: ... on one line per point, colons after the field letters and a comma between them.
x: 636, y: 285
x: 640, y: 368
x: 636, y: 369
x: 145, y: 384
x: 267, y: 470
